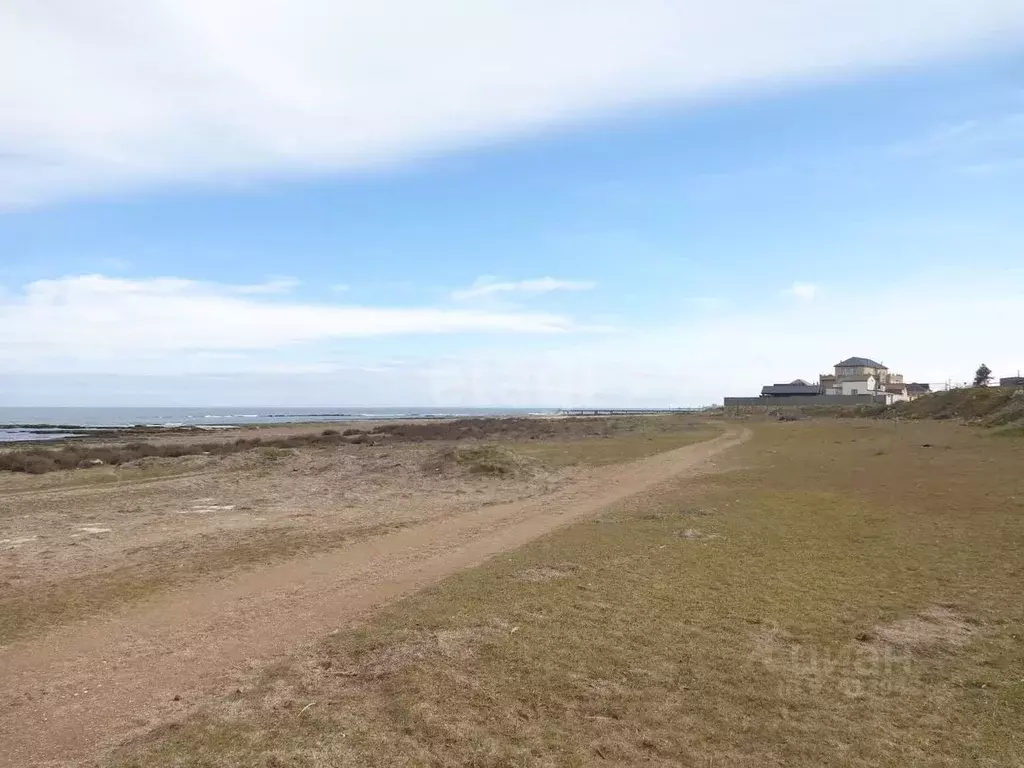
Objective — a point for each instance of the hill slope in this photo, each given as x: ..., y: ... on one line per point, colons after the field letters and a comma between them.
x: 987, y: 406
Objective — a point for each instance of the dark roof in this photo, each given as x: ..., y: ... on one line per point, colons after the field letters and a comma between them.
x: 790, y: 389
x: 860, y: 362
x: 895, y: 387
x: 800, y: 382
x: 916, y: 387
x: 1012, y: 381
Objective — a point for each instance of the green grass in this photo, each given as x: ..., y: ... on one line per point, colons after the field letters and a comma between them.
x: 731, y: 621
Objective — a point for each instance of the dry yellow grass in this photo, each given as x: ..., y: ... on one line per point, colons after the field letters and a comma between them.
x: 653, y: 435
x: 851, y: 594
x: 113, y: 581
x: 28, y: 611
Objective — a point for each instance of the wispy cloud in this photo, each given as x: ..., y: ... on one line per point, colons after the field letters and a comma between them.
x: 113, y: 341
x: 803, y: 291
x: 987, y: 141
x: 277, y: 285
x: 489, y: 286
x: 157, y: 91
x: 707, y: 303
x: 993, y: 167
x: 111, y: 321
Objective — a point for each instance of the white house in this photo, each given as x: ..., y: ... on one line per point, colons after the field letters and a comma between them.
x: 859, y: 385
x: 896, y: 393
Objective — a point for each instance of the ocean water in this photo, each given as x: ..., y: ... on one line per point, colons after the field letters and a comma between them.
x: 20, y: 424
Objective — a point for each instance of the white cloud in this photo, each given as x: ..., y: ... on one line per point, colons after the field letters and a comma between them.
x: 130, y: 92
x: 92, y: 340
x: 112, y: 322
x: 277, y: 285
x: 803, y: 291
x: 928, y: 333
x: 489, y: 286
x: 988, y: 132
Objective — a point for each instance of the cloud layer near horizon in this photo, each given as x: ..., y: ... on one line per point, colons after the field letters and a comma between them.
x: 131, y: 92
x: 170, y: 340
x: 107, y: 323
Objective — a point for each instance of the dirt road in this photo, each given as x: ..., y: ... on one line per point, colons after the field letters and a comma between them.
x: 70, y: 694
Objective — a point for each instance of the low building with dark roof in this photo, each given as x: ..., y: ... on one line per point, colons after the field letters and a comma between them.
x: 789, y: 390
x: 916, y: 389
x: 1012, y: 381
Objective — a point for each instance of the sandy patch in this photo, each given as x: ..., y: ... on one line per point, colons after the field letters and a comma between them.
x: 935, y: 629
x: 201, y: 509
x: 548, y: 573
x: 692, y: 534
x: 17, y: 541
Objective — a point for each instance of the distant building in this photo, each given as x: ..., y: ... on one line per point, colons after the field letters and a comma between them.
x: 858, y: 385
x: 1012, y: 381
x: 915, y: 390
x: 855, y: 380
x: 898, y: 391
x: 865, y: 366
x: 858, y: 366
x: 793, y: 389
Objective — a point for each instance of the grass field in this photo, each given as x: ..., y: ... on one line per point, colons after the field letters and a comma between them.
x: 654, y: 435
x: 850, y: 593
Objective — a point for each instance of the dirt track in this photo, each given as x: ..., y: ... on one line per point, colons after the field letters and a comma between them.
x: 85, y: 687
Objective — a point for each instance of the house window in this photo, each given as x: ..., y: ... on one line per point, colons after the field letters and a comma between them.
x: 853, y: 391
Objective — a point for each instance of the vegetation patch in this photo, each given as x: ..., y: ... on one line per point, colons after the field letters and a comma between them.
x: 985, y: 406
x: 487, y: 460
x: 664, y: 430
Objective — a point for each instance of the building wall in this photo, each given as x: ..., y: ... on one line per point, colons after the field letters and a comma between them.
x: 861, y: 387
x: 796, y: 400
x: 853, y: 370
x: 881, y: 375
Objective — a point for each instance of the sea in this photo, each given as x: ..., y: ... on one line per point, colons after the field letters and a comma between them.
x: 22, y: 424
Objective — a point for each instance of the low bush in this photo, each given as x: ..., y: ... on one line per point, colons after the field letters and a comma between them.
x: 39, y: 459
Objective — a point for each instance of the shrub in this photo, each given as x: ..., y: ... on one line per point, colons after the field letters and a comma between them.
x: 38, y: 465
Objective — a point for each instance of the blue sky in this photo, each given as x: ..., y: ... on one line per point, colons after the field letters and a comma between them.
x: 666, y: 241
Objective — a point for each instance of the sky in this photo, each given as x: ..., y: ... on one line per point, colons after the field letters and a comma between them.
x: 473, y: 203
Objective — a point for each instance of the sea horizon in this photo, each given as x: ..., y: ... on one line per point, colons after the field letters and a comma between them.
x: 178, y: 416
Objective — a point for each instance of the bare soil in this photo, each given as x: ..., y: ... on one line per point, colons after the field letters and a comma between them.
x: 129, y: 599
